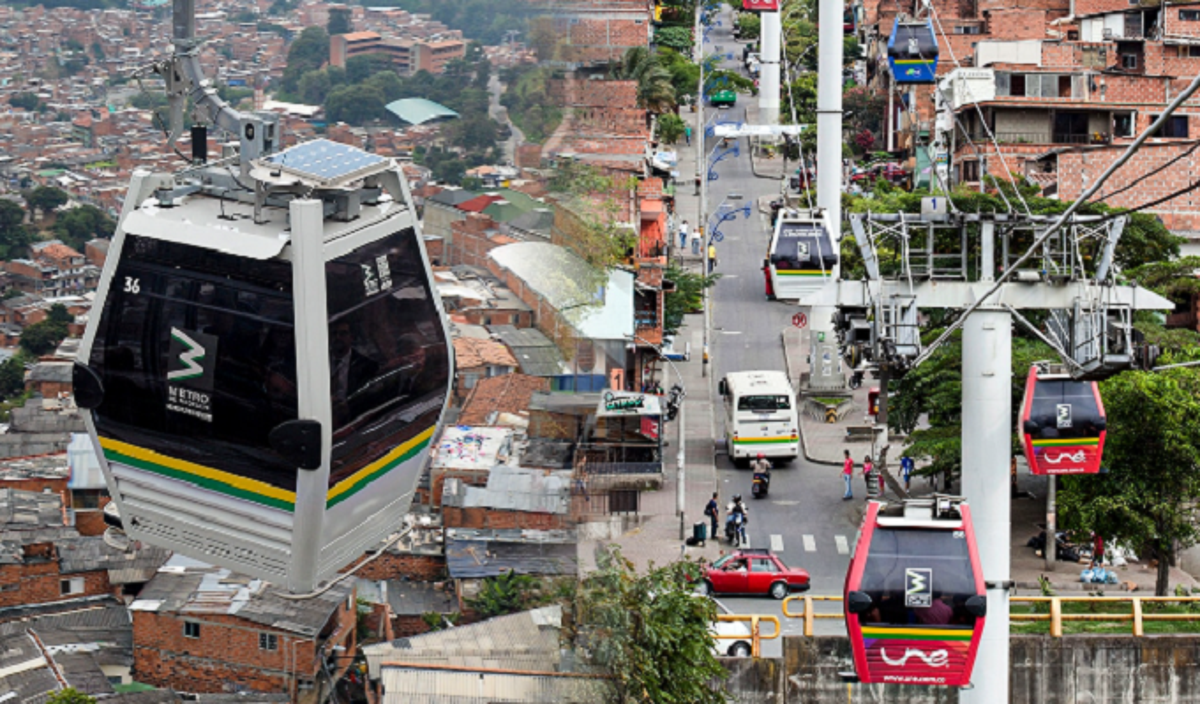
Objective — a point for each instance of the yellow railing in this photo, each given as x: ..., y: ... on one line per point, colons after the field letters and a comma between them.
x: 808, y: 614
x: 756, y: 635
x: 1056, y: 617
x: 1136, y: 613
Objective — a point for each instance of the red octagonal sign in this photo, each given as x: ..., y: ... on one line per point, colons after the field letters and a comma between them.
x: 760, y: 5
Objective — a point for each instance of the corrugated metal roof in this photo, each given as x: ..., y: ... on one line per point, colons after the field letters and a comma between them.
x: 411, y: 685
x: 528, y: 641
x: 514, y: 489
x: 488, y: 556
x: 190, y: 586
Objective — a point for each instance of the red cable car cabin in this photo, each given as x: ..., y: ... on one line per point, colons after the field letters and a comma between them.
x: 1062, y: 422
x: 914, y: 599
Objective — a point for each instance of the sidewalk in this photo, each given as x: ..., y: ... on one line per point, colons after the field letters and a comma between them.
x: 657, y: 538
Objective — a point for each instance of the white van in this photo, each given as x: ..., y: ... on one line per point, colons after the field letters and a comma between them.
x: 760, y: 416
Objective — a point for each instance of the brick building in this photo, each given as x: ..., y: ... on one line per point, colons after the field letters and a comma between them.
x: 204, y: 629
x: 514, y: 497
x: 496, y: 399
x: 476, y: 359
x: 1062, y: 87
x: 42, y: 559
x: 408, y: 55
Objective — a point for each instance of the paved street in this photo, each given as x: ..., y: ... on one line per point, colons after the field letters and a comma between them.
x: 804, y: 519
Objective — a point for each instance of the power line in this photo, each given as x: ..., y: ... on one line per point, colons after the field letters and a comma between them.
x: 1066, y: 215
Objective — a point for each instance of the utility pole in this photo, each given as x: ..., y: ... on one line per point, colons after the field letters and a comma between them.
x: 1050, y: 549
x: 891, y: 306
x: 702, y: 179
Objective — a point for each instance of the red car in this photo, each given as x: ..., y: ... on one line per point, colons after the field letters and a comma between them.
x: 753, y: 571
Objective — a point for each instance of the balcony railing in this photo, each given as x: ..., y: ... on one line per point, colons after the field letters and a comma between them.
x: 646, y: 319
x: 1042, y: 138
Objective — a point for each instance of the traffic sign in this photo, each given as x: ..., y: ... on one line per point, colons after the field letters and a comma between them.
x: 800, y: 320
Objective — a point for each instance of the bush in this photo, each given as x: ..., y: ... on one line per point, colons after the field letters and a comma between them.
x: 670, y: 128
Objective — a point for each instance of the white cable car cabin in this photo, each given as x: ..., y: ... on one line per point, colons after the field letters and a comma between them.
x: 268, y: 367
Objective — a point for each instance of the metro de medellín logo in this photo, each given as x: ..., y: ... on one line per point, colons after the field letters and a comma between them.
x: 191, y: 358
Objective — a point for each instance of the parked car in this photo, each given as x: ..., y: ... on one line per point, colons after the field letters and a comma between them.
x: 753, y: 571
x: 738, y: 647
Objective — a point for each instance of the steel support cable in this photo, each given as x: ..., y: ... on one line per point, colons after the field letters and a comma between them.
x: 787, y: 76
x: 1066, y: 215
x: 971, y: 96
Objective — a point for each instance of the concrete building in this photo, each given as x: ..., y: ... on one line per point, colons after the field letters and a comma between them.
x: 408, y: 55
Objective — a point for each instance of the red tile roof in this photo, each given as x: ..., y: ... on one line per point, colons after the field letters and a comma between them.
x: 507, y: 393
x: 479, y: 203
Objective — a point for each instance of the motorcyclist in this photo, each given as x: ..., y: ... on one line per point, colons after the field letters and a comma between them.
x: 762, y: 470
x: 739, y: 516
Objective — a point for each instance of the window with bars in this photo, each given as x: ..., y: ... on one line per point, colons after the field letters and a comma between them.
x: 268, y: 641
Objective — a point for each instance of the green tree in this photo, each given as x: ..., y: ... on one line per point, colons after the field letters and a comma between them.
x: 58, y: 313
x: 650, y: 632
x: 314, y: 87
x: 1150, y: 497
x: 686, y: 298
x: 685, y: 74
x: 355, y: 105
x: 70, y: 695
x: 14, y: 235
x: 78, y: 225
x: 360, y: 68
x: 389, y: 85
x: 654, y: 92
x: 46, y: 198
x: 339, y: 21
x: 12, y: 375
x: 26, y: 101
x: 42, y: 338
x: 748, y: 26
x: 309, y: 52
x: 670, y: 128
x: 507, y: 593
x: 677, y: 38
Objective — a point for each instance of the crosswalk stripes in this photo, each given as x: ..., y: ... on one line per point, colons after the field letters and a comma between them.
x: 843, y: 546
x: 810, y: 543
x: 776, y: 543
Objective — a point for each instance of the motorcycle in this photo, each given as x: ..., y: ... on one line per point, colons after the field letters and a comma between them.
x: 735, y: 528
x: 761, y: 485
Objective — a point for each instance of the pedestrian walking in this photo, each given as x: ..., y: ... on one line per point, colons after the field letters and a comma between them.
x: 868, y: 469
x: 712, y: 257
x: 906, y: 471
x: 687, y: 134
x: 683, y: 233
x: 697, y: 236
x: 848, y: 476
x: 713, y: 511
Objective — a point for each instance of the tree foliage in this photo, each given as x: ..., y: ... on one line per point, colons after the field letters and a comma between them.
x: 14, y: 235
x: 654, y: 89
x: 686, y: 298
x: 670, y: 128
x: 507, y: 593
x: 309, y: 52
x: 529, y: 105
x: 650, y: 632
x: 70, y: 695
x: 26, y: 101
x: 1150, y: 497
x: 677, y: 38
x: 43, y: 338
x: 12, y: 375
x: 46, y: 198
x: 78, y: 225
x: 339, y: 21
x: 748, y: 26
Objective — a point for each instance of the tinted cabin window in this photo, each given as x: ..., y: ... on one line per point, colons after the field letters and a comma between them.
x: 918, y: 577
x: 1065, y: 409
x: 764, y: 403
x: 198, y: 363
x: 803, y: 247
x: 388, y: 363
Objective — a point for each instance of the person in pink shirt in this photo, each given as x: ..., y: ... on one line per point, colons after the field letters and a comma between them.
x: 867, y: 469
x: 847, y: 476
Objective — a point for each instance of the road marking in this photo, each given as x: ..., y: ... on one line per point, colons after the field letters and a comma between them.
x: 842, y: 545
x: 784, y: 502
x: 810, y: 543
x: 776, y: 543
x: 730, y: 332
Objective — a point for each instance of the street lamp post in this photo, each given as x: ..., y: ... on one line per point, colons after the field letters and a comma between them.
x: 680, y: 488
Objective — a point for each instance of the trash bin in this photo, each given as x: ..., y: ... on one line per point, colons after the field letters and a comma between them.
x: 700, y: 531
